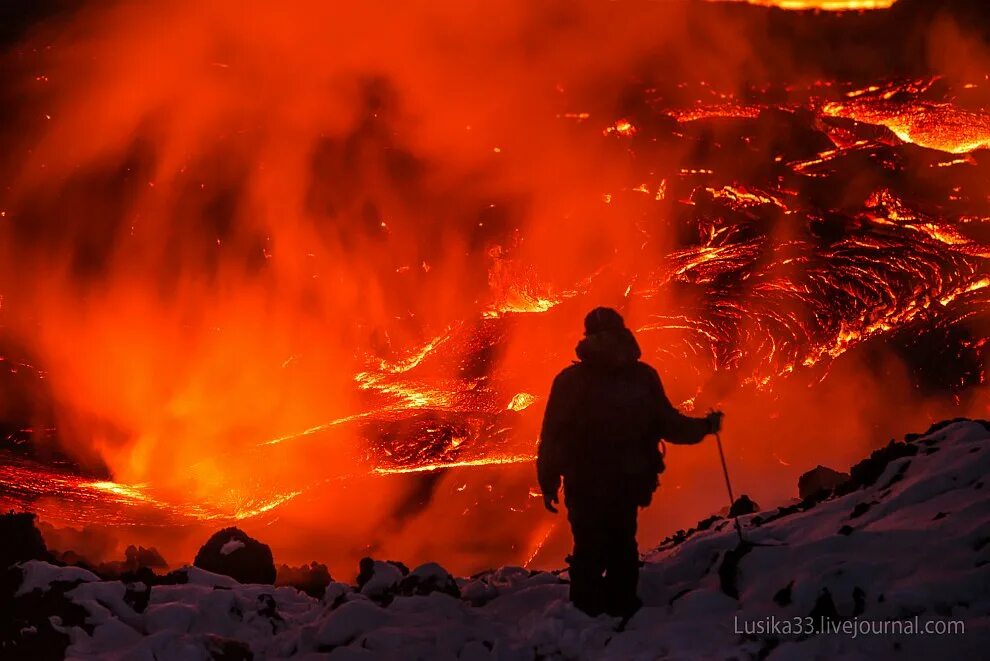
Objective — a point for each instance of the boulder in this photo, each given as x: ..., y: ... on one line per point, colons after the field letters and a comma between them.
x: 868, y: 471
x: 743, y: 505
x: 819, y: 482
x: 22, y: 540
x: 312, y: 579
x: 232, y: 552
x: 379, y: 579
x: 137, y: 560
x: 428, y: 578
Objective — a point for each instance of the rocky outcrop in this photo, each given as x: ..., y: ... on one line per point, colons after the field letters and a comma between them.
x: 21, y: 539
x: 427, y: 579
x: 312, y: 579
x: 820, y: 482
x: 232, y: 552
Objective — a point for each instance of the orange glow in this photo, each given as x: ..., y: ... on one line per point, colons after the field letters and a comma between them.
x: 822, y: 5
x: 939, y: 126
x: 521, y: 401
x: 622, y: 127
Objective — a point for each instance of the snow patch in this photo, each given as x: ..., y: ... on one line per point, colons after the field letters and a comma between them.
x: 231, y: 546
x: 915, y: 542
x: 39, y: 575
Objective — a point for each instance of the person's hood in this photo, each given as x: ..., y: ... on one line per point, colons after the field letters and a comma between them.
x: 609, y: 348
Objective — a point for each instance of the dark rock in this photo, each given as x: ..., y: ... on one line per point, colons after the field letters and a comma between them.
x: 177, y: 577
x: 147, y: 577
x: 705, y: 524
x: 22, y: 540
x: 728, y: 571
x: 860, y: 509
x: 479, y: 591
x: 137, y: 596
x: 426, y: 579
x: 233, y: 553
x: 783, y: 595
x: 379, y: 579
x: 820, y: 482
x: 26, y: 621
x: 312, y: 579
x: 366, y: 570
x: 942, y: 424
x: 136, y: 559
x: 899, y: 475
x: 859, y: 601
x: 743, y: 505
x: 824, y: 607
x: 846, y: 530
x: 268, y: 608
x: 868, y: 471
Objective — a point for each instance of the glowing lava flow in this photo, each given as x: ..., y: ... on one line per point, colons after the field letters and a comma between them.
x: 822, y: 5
x: 935, y: 125
x: 765, y: 272
x: 112, y: 503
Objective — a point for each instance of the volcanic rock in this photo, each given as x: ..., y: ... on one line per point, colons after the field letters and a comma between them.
x: 137, y: 560
x: 312, y: 579
x: 478, y: 592
x: 21, y: 539
x: 429, y: 578
x: 819, y: 481
x: 231, y: 552
x: 743, y: 505
x: 34, y: 608
x: 868, y: 471
x: 379, y: 579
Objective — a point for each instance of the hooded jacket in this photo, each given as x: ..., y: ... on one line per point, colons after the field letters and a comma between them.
x: 604, y: 419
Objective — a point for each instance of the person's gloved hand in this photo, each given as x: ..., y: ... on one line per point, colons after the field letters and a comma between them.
x: 549, y: 500
x: 715, y: 422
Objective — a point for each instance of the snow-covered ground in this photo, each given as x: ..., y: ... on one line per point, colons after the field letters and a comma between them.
x: 911, y: 545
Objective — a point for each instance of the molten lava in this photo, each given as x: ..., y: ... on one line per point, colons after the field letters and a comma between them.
x: 936, y: 125
x: 825, y: 5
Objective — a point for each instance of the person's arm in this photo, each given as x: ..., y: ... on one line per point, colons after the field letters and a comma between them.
x: 678, y: 428
x: 550, y: 452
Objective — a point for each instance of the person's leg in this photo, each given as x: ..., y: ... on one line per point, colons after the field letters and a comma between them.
x: 587, y: 561
x: 622, y: 562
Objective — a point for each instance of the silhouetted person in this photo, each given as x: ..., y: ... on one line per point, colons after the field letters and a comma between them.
x: 605, y: 417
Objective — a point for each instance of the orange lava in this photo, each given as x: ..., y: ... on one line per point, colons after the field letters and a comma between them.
x: 824, y: 5
x: 935, y: 125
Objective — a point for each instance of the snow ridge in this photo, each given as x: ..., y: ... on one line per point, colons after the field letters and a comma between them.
x: 907, y: 537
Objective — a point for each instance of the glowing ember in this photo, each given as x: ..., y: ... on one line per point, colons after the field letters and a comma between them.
x: 728, y: 110
x: 621, y: 127
x: 520, y: 401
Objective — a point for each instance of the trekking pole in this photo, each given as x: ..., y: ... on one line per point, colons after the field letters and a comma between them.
x: 728, y: 486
